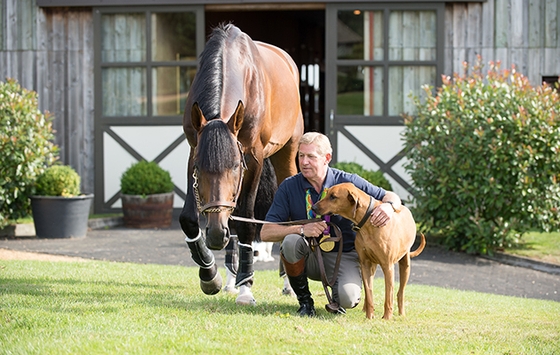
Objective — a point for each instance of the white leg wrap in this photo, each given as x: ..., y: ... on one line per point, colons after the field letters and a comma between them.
x: 230, y: 283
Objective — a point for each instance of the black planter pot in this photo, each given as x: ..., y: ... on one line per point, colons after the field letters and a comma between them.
x: 61, y: 217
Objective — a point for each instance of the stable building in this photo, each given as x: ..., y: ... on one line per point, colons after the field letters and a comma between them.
x: 115, y: 73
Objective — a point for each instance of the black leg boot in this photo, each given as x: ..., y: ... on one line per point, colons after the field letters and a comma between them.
x: 298, y: 280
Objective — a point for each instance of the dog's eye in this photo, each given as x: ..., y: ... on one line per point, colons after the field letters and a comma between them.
x: 332, y: 197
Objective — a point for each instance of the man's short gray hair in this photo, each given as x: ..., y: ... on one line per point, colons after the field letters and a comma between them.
x: 320, y: 140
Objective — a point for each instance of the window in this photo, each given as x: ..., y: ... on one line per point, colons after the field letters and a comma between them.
x: 148, y: 61
x: 383, y: 55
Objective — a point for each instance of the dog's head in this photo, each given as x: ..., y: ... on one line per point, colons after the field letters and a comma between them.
x: 342, y: 199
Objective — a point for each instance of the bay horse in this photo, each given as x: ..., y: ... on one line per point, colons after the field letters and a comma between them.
x: 243, y: 109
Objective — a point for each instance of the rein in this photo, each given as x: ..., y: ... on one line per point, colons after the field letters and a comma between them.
x: 332, y: 307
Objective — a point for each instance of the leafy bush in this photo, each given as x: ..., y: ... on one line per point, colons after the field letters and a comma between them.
x: 484, y: 154
x: 146, y: 178
x: 26, y: 148
x: 58, y: 180
x: 375, y: 177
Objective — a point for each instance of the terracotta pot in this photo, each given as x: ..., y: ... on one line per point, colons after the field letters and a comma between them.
x: 151, y: 211
x: 61, y: 217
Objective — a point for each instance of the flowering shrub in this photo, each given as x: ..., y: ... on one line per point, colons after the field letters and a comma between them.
x: 484, y: 155
x: 26, y: 148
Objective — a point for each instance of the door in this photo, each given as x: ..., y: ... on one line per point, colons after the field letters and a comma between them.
x: 376, y: 56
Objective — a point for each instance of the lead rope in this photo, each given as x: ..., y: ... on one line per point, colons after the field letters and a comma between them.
x: 332, y: 307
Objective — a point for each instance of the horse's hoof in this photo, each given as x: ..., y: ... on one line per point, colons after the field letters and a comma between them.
x: 245, y: 297
x: 213, y: 286
x: 246, y: 300
x: 288, y: 292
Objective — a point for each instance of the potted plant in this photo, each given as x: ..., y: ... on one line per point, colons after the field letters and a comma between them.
x: 147, y: 196
x: 59, y: 209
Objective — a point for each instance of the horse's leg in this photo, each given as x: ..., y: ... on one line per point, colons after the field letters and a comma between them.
x: 210, y: 278
x: 246, y: 233
x: 231, y: 264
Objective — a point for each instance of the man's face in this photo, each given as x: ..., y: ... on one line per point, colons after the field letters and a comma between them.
x: 312, y: 165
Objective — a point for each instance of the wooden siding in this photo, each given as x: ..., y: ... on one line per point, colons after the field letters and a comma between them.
x: 51, y: 51
x: 524, y: 33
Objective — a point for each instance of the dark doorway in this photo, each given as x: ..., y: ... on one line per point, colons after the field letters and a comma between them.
x: 301, y: 33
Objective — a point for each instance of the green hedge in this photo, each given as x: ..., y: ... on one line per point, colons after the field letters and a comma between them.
x: 146, y: 178
x: 375, y: 177
x: 26, y: 148
x: 484, y: 155
x: 58, y: 180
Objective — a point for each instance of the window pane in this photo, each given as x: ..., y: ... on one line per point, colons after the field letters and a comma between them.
x: 173, y: 36
x: 124, y: 91
x: 412, y: 35
x: 171, y: 87
x: 123, y: 38
x: 404, y: 81
x: 360, y: 90
x: 360, y: 35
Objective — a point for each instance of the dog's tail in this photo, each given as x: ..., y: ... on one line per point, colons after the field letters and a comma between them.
x: 420, y: 247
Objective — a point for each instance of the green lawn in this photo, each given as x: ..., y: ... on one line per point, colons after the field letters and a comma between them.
x: 118, y: 308
x: 541, y: 246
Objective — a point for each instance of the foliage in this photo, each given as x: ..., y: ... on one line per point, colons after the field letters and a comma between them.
x: 26, y: 148
x: 97, y: 307
x: 146, y: 178
x: 58, y: 180
x: 484, y: 154
x: 374, y: 177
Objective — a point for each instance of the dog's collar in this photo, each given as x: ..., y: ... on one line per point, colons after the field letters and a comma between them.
x: 356, y: 228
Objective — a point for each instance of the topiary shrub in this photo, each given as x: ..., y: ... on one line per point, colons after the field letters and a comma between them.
x: 146, y: 178
x: 374, y: 177
x: 484, y: 155
x: 26, y: 148
x: 58, y: 180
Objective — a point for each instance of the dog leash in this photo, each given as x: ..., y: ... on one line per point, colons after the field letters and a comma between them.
x: 332, y: 306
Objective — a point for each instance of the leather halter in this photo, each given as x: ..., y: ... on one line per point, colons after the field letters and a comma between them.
x: 356, y: 228
x: 219, y: 206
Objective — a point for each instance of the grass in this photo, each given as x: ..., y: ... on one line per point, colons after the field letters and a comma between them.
x: 103, y: 307
x: 541, y: 246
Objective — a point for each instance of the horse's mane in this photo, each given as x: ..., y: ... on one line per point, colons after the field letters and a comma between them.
x: 216, y: 148
x: 210, y: 86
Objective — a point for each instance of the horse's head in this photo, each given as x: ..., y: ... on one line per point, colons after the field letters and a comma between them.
x: 219, y: 165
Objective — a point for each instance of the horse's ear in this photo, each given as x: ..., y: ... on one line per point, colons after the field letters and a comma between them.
x: 236, y: 120
x: 197, y: 118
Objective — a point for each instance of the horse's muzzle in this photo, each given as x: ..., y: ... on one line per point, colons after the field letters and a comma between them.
x: 217, y: 238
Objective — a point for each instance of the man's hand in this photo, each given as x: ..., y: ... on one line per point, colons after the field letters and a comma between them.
x: 313, y: 229
x: 381, y: 215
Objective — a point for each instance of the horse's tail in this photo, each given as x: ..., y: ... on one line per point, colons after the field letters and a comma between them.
x: 265, y: 194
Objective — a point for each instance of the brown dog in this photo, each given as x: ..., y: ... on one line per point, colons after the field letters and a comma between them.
x: 384, y: 246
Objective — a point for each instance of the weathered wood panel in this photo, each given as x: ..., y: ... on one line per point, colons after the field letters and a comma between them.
x: 51, y: 51
x: 523, y: 33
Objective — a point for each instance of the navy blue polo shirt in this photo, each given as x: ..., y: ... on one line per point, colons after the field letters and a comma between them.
x: 289, y: 201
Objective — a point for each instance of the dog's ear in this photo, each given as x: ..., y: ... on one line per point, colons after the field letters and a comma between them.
x: 353, y: 201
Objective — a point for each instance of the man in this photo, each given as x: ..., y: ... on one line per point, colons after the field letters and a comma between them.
x: 293, y: 201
